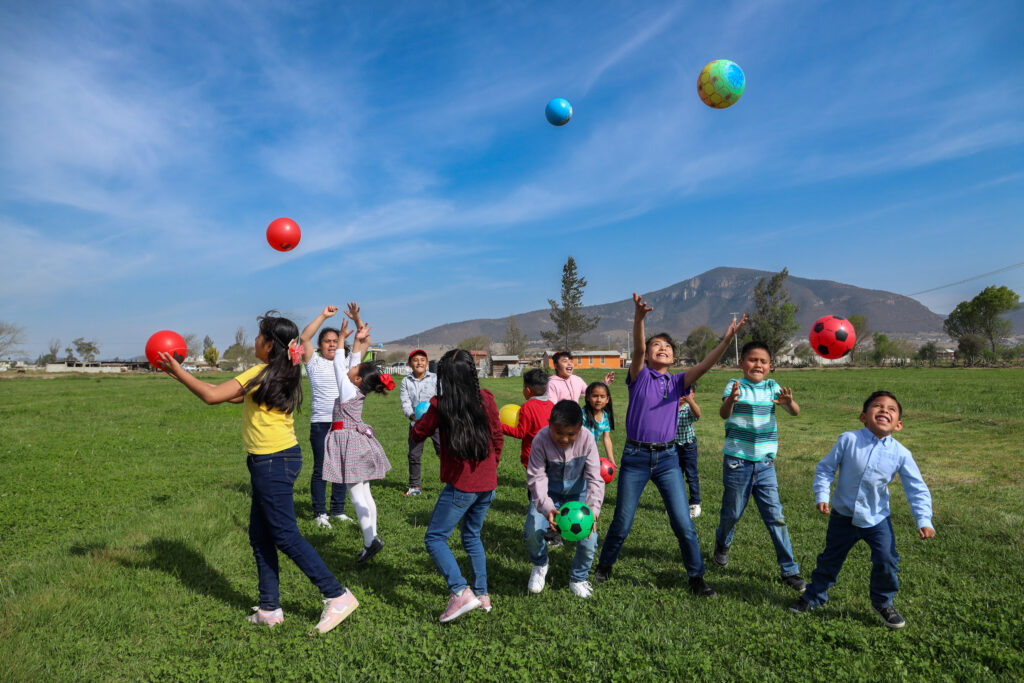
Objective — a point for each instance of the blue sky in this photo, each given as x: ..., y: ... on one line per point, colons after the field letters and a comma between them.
x: 146, y: 146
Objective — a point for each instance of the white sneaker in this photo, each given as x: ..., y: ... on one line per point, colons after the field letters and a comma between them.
x: 581, y: 588
x: 695, y: 511
x: 322, y: 521
x: 341, y: 518
x: 537, y: 576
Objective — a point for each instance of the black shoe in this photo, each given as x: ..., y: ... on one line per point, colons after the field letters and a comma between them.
x: 801, y: 606
x: 602, y: 574
x: 367, y: 553
x: 553, y: 538
x: 721, y: 555
x: 795, y: 582
x: 890, y: 617
x: 700, y: 587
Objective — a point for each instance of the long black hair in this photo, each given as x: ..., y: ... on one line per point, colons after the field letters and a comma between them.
x: 369, y: 373
x: 279, y: 385
x: 589, y: 412
x: 461, y: 407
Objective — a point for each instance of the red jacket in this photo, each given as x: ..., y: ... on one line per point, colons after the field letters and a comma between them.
x: 465, y: 475
x: 533, y: 417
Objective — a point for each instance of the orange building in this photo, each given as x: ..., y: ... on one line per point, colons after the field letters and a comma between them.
x: 609, y: 360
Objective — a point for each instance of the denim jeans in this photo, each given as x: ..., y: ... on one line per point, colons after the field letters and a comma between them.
x: 317, y: 486
x: 743, y: 479
x: 537, y: 525
x: 636, y: 467
x: 416, y: 454
x: 272, y: 527
x: 688, y: 462
x: 471, y: 508
x: 842, y: 535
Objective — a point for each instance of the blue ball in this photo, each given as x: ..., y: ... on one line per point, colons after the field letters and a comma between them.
x: 558, y: 111
x: 421, y: 408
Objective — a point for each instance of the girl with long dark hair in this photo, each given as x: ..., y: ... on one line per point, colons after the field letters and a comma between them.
x: 271, y: 392
x: 471, y: 441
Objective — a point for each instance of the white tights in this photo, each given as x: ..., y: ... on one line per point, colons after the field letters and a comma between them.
x: 366, y: 510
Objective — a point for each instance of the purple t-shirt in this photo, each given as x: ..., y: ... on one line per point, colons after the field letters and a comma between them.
x: 653, y: 405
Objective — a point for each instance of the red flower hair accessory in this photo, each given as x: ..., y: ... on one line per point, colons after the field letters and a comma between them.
x: 386, y: 380
x: 295, y: 351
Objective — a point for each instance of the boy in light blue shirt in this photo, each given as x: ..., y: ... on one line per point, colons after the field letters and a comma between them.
x: 867, y: 460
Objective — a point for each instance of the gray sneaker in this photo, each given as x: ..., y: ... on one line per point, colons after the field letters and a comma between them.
x: 721, y: 555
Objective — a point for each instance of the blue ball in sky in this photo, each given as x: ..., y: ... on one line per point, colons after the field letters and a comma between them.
x: 558, y: 111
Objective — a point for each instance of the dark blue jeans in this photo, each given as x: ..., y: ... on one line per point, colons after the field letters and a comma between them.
x: 688, y: 462
x: 272, y: 527
x: 317, y: 486
x: 743, y: 479
x: 841, y: 536
x: 452, y: 506
x: 636, y: 467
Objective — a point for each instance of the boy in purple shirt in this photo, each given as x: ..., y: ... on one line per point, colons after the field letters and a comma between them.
x: 650, y: 451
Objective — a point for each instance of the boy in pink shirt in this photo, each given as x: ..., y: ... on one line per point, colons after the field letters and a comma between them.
x: 565, y: 386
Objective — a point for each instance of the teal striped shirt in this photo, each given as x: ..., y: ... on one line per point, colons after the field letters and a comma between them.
x: 751, y: 432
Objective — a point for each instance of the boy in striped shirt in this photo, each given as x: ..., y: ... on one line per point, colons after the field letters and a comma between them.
x: 751, y: 445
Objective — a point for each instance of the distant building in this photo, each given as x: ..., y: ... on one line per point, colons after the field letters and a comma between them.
x: 506, y: 366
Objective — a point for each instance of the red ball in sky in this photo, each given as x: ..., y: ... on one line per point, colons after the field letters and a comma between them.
x: 832, y: 336
x: 607, y: 470
x: 165, y: 340
x: 283, y: 234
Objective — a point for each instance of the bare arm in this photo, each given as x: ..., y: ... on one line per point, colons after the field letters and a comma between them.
x: 307, y: 333
x: 211, y: 394
x: 729, y: 401
x: 698, y: 370
x: 641, y: 311
x: 608, y: 448
x: 359, y: 346
x: 692, y: 402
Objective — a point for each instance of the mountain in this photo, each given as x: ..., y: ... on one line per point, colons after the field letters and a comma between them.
x: 708, y: 299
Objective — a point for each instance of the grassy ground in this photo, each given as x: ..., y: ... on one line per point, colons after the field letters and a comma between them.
x: 124, y: 555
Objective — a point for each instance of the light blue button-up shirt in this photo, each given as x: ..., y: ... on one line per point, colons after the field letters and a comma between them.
x: 866, y: 466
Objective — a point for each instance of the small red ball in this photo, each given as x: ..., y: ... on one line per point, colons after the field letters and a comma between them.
x: 607, y: 470
x: 165, y: 340
x: 283, y: 234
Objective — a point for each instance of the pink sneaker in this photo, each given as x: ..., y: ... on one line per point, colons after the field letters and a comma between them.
x: 459, y: 605
x: 335, y: 611
x: 485, y: 602
x: 264, y: 618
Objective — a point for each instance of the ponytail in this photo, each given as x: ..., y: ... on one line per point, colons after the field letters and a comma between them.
x: 279, y: 385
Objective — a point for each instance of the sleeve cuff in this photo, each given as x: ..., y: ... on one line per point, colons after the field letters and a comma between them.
x: 821, y: 496
x: 926, y: 522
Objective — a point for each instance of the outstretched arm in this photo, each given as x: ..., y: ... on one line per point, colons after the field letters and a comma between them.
x: 698, y: 370
x: 211, y: 394
x: 307, y: 333
x: 640, y: 312
x: 359, y: 346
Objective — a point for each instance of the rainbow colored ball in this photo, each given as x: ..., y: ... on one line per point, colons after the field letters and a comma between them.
x: 721, y: 83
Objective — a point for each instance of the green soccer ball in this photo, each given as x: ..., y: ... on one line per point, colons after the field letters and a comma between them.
x: 574, y: 520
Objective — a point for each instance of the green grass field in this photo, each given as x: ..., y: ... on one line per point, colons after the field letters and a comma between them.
x: 124, y: 554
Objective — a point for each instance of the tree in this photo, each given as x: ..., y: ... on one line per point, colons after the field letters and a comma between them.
x: 207, y: 343
x: 698, y: 344
x: 11, y: 337
x: 970, y: 348
x: 240, y: 350
x: 69, y: 354
x: 52, y: 355
x: 211, y: 355
x: 87, y: 350
x: 570, y: 323
x: 773, y: 320
x: 515, y: 339
x: 191, y: 345
x: 860, y: 329
x: 929, y: 353
x: 982, y: 316
x: 477, y: 343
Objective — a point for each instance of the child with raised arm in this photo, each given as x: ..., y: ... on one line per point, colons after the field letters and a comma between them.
x: 563, y: 467
x: 471, y: 442
x: 867, y: 460
x: 650, y: 451
x: 271, y: 392
x: 751, y: 446
x: 320, y: 370
x: 354, y: 455
x: 686, y: 447
x: 564, y: 385
x: 418, y: 387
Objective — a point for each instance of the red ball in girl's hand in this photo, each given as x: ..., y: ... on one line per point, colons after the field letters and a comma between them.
x: 283, y: 234
x: 165, y: 340
x: 607, y: 470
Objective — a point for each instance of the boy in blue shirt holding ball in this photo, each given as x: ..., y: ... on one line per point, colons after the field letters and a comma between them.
x: 867, y: 460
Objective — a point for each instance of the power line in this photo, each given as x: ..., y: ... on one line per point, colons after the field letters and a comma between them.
x: 976, y: 277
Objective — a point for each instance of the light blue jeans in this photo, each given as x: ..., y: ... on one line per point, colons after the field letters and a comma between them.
x: 743, y: 479
x: 452, y: 506
x: 533, y: 534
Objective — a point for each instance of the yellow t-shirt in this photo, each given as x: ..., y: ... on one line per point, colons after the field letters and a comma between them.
x: 264, y: 430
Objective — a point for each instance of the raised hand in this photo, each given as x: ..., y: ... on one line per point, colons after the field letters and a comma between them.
x: 344, y: 332
x: 609, y: 378
x: 353, y: 313
x: 329, y: 311
x: 735, y: 395
x: 642, y: 309
x: 735, y: 326
x: 784, y: 397
x: 363, y: 333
